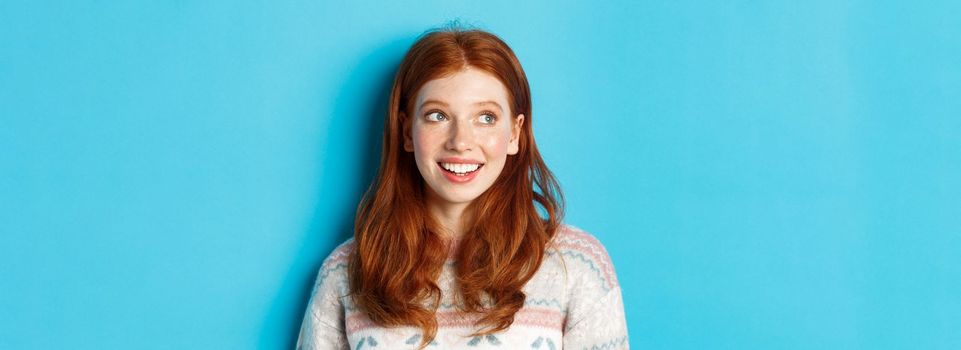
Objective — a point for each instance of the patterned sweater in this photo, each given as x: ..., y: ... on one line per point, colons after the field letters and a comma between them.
x: 573, y: 302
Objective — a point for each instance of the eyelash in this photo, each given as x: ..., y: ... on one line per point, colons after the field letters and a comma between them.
x: 487, y: 113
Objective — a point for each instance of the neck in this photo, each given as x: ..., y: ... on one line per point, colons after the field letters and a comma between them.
x: 452, y: 216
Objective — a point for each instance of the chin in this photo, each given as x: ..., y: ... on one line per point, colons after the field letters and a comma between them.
x: 458, y: 198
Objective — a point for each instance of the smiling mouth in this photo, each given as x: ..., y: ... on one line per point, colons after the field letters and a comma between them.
x: 460, y: 169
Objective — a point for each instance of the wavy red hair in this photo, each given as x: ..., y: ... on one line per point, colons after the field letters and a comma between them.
x: 400, y: 249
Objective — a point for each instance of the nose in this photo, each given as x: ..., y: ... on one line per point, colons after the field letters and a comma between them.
x: 461, y: 136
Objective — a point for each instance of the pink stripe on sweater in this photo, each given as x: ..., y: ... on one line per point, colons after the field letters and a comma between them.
x: 579, y: 241
x: 530, y: 317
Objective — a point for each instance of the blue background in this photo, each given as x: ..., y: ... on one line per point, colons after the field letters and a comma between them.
x: 764, y: 174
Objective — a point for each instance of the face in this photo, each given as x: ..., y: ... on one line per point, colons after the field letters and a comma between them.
x: 461, y: 133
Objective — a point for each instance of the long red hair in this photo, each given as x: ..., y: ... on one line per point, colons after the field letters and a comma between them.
x: 400, y: 249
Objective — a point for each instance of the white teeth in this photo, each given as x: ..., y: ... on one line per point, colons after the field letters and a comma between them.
x: 460, y: 168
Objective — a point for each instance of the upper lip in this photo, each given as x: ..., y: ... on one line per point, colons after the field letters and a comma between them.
x: 456, y: 160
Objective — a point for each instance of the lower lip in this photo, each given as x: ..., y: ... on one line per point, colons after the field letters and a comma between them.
x: 459, y: 179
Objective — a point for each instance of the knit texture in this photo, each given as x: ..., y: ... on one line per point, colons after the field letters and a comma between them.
x: 573, y: 302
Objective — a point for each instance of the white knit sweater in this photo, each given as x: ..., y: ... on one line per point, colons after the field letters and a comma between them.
x: 577, y: 309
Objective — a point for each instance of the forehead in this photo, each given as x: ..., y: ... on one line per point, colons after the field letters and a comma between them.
x: 465, y: 87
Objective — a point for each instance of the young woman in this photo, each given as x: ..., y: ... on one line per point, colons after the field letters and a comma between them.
x: 450, y: 250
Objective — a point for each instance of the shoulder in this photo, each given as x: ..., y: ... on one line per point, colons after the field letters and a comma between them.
x: 333, y: 270
x: 341, y: 253
x: 584, y: 252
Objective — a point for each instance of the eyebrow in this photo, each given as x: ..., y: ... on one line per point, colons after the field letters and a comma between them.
x: 488, y: 102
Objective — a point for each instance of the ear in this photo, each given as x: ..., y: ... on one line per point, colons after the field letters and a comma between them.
x: 516, y: 128
x: 408, y: 139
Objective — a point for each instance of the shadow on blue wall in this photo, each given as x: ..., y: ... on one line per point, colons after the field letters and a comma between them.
x: 355, y: 128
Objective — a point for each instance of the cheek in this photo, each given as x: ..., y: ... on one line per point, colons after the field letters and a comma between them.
x: 497, y: 143
x: 424, y: 141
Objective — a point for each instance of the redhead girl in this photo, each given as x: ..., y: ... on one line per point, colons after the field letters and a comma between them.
x: 459, y: 241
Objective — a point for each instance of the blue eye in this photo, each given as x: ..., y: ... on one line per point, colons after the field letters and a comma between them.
x: 435, y: 116
x: 488, y: 118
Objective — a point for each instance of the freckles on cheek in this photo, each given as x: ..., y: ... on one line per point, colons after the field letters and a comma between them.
x: 497, y: 144
x: 423, y: 141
